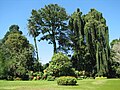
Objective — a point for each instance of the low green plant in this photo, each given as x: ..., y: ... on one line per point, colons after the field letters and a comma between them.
x: 99, y: 78
x: 17, y: 79
x: 60, y: 65
x: 80, y: 78
x: 44, y: 77
x: 35, y: 78
x: 118, y: 72
x: 39, y: 75
x: 32, y: 75
x: 66, y: 80
x: 50, y: 78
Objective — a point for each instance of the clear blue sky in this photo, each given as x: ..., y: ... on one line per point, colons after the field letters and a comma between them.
x: 18, y: 11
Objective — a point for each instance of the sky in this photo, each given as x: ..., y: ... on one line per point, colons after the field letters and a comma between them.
x: 18, y: 12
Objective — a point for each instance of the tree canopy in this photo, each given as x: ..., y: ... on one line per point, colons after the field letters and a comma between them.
x: 85, y: 36
x: 89, y: 40
x: 115, y: 58
x: 60, y: 65
x: 51, y: 22
x: 16, y: 54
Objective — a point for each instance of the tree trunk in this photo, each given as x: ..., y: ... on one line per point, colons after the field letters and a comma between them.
x: 54, y: 45
x: 53, y: 40
x: 36, y: 48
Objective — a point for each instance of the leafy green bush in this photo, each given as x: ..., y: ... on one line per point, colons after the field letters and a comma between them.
x: 35, y: 78
x: 81, y: 75
x: 30, y: 75
x: 17, y: 79
x: 100, y: 78
x: 60, y: 66
x: 39, y: 75
x: 50, y: 78
x: 66, y: 80
x: 118, y: 72
x: 81, y: 78
x: 44, y: 77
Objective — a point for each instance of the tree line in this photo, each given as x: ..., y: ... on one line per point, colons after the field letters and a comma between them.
x: 80, y: 43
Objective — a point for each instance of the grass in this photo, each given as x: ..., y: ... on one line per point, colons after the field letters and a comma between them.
x: 88, y: 84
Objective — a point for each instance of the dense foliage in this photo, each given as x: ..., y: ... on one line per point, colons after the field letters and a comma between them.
x: 115, y: 58
x: 86, y: 35
x: 89, y: 40
x: 85, y: 38
x: 16, y: 55
x: 66, y: 80
x: 60, y: 65
x: 51, y: 22
x: 97, y: 39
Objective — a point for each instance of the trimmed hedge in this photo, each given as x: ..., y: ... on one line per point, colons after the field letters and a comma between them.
x: 66, y: 80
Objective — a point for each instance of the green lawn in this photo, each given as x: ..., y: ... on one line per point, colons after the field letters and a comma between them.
x: 88, y: 84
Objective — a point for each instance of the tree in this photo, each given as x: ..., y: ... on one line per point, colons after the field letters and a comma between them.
x: 51, y: 22
x: 89, y: 39
x: 12, y: 29
x: 97, y: 40
x: 76, y: 36
x: 34, y: 30
x: 115, y: 58
x: 17, y: 54
x: 2, y: 63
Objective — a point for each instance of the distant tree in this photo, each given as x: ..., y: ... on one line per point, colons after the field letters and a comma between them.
x: 0, y: 42
x: 51, y: 22
x: 115, y: 58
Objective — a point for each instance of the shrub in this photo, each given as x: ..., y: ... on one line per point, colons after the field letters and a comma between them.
x: 39, y: 75
x: 44, y: 77
x: 35, y: 78
x: 50, y: 78
x: 118, y: 72
x: 80, y: 78
x: 81, y: 75
x: 30, y: 75
x: 60, y: 65
x: 17, y: 79
x: 100, y: 78
x: 66, y: 80
x: 9, y: 77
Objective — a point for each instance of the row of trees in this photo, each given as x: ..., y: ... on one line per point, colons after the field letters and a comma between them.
x: 85, y: 35
x: 85, y: 38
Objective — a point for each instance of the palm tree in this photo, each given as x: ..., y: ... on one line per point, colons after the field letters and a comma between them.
x: 32, y: 29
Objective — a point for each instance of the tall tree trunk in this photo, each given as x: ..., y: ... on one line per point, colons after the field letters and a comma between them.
x: 54, y: 45
x: 36, y: 48
x: 54, y: 40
